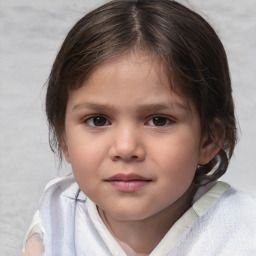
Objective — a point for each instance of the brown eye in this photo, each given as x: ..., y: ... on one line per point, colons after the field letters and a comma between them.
x: 159, y: 121
x: 97, y: 121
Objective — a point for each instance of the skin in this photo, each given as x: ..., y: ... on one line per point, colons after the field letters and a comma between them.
x: 34, y: 247
x: 126, y: 120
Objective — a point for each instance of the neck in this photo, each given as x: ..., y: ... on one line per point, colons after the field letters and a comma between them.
x: 140, y: 237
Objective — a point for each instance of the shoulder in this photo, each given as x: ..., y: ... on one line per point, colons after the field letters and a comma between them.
x: 228, y: 226
x: 240, y: 203
x: 60, y: 193
x: 224, y: 206
x: 57, y: 193
x: 56, y: 214
x: 60, y: 184
x: 234, y: 212
x: 58, y: 189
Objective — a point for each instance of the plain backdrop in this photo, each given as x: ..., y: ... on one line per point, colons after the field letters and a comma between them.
x: 31, y: 33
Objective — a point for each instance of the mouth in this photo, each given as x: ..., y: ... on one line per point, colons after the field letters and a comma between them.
x: 128, y: 182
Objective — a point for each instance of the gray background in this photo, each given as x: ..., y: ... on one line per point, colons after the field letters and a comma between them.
x: 30, y: 35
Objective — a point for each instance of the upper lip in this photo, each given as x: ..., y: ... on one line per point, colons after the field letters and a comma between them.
x: 126, y: 177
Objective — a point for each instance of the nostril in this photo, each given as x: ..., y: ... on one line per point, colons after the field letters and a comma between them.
x: 126, y: 157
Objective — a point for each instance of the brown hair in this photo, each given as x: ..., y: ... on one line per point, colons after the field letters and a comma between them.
x: 184, y: 41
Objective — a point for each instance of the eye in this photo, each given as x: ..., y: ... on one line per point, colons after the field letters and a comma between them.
x: 159, y: 121
x: 97, y: 121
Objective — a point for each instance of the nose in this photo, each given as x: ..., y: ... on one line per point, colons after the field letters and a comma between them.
x: 127, y: 145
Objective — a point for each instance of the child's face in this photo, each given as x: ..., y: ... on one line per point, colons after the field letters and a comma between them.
x: 133, y: 144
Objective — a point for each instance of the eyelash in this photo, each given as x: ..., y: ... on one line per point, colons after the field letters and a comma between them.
x: 163, y: 120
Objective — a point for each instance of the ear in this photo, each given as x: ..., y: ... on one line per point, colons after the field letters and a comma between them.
x: 64, y: 147
x: 211, y: 142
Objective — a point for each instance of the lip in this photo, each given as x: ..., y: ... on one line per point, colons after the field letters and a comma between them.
x: 128, y: 182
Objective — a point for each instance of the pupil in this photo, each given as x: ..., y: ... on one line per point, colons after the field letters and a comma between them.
x: 99, y: 121
x: 159, y: 121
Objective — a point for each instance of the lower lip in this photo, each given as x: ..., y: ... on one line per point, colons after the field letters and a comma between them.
x: 128, y: 186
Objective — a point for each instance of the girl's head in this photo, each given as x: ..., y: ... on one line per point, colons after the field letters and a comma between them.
x: 178, y: 39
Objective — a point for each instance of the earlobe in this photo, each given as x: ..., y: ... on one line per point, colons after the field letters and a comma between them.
x: 212, y: 142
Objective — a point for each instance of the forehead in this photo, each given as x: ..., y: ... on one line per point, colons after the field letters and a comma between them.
x: 133, y: 77
x: 135, y: 65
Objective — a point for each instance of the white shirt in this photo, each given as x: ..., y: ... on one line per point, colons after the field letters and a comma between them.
x: 220, y: 222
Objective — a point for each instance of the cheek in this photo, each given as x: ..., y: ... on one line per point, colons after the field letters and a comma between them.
x: 84, y: 149
x: 176, y: 173
x: 177, y: 151
x: 85, y: 160
x: 177, y: 159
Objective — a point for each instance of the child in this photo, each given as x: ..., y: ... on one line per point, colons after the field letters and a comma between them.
x: 139, y: 102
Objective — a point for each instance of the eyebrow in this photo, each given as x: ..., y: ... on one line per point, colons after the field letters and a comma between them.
x: 159, y: 107
x: 99, y: 107
x: 93, y: 106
